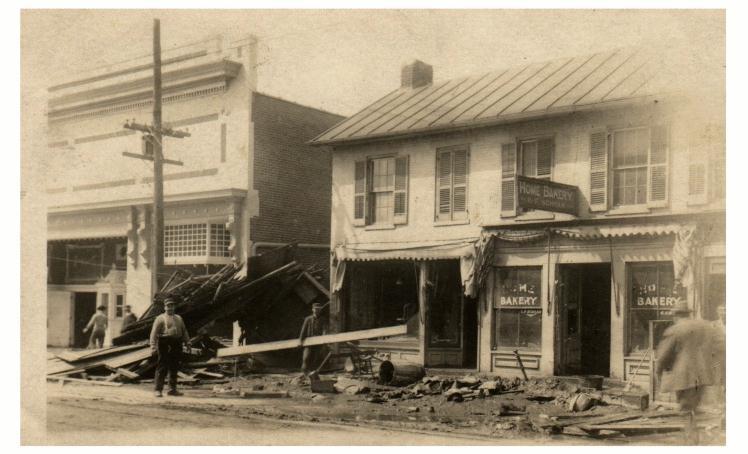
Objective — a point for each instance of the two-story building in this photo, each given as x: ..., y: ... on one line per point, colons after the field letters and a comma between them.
x: 248, y: 182
x: 548, y: 208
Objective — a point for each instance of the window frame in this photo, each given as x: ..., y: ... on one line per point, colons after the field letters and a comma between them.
x: 613, y: 169
x: 497, y: 311
x: 630, y: 308
x: 206, y: 258
x: 452, y: 215
x: 368, y: 195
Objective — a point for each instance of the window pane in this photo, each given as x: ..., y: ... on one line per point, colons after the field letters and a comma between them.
x: 220, y: 239
x: 639, y: 329
x: 530, y: 159
x: 186, y: 240
x: 630, y: 147
x: 529, y: 328
x: 508, y: 325
x: 383, y: 174
x: 383, y: 207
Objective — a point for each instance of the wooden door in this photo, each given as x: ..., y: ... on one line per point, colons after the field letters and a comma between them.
x: 570, y: 322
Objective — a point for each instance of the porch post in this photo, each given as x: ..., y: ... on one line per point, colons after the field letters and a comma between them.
x: 423, y: 304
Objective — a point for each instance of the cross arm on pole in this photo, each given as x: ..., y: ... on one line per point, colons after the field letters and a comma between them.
x: 150, y: 158
x: 150, y: 130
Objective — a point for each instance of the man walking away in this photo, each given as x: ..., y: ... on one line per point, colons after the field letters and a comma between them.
x: 99, y: 323
x: 129, y: 318
x: 314, y: 325
x: 691, y: 351
x: 167, y: 337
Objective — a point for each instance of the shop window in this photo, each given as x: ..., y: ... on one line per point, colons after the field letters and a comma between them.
x: 380, y: 294
x: 381, y: 191
x: 650, y: 298
x: 196, y: 243
x: 517, y: 308
x: 84, y: 262
x: 451, y: 183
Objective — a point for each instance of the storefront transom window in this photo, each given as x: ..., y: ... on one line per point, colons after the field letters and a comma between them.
x: 517, y: 307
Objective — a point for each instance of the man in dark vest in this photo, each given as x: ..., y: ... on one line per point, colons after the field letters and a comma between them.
x: 168, y: 334
x: 314, y: 325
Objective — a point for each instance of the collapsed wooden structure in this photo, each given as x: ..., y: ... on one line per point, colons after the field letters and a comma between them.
x: 269, y: 301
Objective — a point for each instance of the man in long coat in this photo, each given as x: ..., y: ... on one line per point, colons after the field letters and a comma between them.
x: 691, y: 354
x: 314, y: 325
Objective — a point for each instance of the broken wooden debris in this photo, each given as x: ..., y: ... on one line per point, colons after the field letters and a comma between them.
x: 79, y: 380
x: 314, y: 340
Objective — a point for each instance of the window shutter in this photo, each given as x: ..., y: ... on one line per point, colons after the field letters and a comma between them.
x: 545, y: 158
x: 459, y: 184
x: 508, y: 173
x: 599, y: 171
x: 717, y: 176
x: 401, y: 190
x: 444, y: 185
x: 658, y: 167
x: 696, y: 177
x: 360, y: 196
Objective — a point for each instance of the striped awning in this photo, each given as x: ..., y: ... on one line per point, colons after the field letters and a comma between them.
x: 618, y: 231
x: 414, y: 251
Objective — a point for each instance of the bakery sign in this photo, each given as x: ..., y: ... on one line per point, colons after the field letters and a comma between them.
x: 533, y: 193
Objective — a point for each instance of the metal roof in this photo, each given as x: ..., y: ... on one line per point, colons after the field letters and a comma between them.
x: 522, y: 92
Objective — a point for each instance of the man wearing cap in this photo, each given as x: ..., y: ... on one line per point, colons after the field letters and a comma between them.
x: 167, y: 336
x: 691, y: 351
x: 99, y: 323
x: 314, y: 325
x: 129, y: 318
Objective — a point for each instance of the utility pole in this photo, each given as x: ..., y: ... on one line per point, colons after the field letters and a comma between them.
x: 154, y: 137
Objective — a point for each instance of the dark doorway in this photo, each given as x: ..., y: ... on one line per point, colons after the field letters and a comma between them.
x: 85, y: 307
x: 583, y: 329
x: 451, y: 320
x: 470, y: 333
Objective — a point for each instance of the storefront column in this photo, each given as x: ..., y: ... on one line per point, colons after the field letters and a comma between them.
x: 617, y: 311
x: 486, y: 325
x: 548, y: 330
x: 423, y: 304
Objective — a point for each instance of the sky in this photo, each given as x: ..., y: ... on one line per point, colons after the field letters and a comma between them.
x: 341, y: 61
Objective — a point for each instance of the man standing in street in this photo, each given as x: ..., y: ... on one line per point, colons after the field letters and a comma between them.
x: 691, y: 352
x: 129, y: 318
x: 167, y: 337
x: 314, y: 325
x: 99, y: 323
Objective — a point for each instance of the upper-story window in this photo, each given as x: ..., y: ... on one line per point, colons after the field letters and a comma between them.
x: 629, y: 167
x: 451, y: 183
x: 381, y: 191
x: 204, y: 242
x: 534, y: 159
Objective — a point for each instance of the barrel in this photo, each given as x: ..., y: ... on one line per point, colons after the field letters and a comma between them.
x: 391, y: 373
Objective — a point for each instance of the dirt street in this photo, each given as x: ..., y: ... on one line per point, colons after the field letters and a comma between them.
x: 81, y: 421
x: 129, y: 414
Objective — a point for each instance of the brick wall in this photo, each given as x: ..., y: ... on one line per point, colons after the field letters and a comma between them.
x: 292, y: 178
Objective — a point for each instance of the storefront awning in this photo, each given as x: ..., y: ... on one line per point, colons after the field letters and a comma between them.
x: 618, y: 231
x: 413, y: 251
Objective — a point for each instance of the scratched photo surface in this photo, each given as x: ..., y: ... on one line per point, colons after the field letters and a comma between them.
x: 373, y: 227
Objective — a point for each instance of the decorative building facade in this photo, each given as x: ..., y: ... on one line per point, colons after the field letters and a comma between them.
x: 244, y: 185
x: 556, y: 209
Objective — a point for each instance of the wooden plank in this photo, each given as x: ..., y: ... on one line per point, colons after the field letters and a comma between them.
x: 314, y: 340
x: 80, y: 380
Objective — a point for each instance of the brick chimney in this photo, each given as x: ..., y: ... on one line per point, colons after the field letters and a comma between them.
x: 416, y: 74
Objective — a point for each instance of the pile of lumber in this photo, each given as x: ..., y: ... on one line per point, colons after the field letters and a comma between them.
x: 626, y: 423
x: 113, y: 366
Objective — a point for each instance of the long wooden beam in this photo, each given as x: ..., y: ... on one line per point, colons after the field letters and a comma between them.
x: 314, y: 340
